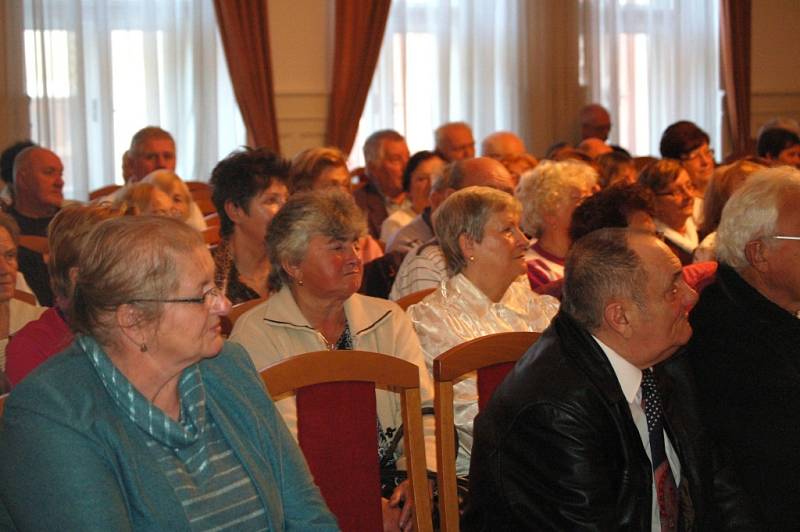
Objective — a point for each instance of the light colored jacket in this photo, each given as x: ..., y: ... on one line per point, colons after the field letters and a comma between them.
x: 276, y: 330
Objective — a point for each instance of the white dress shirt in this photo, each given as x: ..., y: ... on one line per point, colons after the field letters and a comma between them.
x: 630, y: 380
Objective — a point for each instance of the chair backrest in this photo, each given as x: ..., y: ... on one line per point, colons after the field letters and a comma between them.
x: 492, y: 356
x: 236, y: 311
x: 27, y: 297
x: 211, y: 235
x: 415, y: 297
x: 35, y: 243
x: 103, y: 191
x: 3, y: 403
x: 212, y: 219
x: 335, y: 393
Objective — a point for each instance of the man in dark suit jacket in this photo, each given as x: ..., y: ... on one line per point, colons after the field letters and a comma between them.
x: 566, y: 442
x: 746, y: 349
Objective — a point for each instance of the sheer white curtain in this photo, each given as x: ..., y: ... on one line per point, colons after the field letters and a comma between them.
x: 447, y: 60
x: 97, y: 71
x: 652, y: 63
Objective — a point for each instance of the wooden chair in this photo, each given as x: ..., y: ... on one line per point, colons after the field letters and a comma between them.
x: 236, y: 311
x: 211, y: 235
x: 212, y: 220
x: 3, y: 403
x: 416, y: 297
x: 103, y: 191
x: 35, y: 243
x: 492, y: 356
x: 27, y: 297
x: 335, y: 394
x: 205, y: 205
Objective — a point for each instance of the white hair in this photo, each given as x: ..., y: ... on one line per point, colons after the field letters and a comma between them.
x: 752, y: 212
x: 545, y: 188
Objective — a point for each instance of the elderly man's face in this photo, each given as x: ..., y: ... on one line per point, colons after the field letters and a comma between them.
x: 783, y: 256
x: 39, y: 187
x: 662, y: 326
x: 8, y: 265
x: 152, y: 154
x: 457, y: 144
x: 388, y: 171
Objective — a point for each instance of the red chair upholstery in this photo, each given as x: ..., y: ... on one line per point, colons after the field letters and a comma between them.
x: 335, y: 394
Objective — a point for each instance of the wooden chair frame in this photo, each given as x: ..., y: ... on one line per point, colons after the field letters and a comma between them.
x: 386, y: 372
x: 3, y: 403
x: 449, y: 367
x: 414, y: 297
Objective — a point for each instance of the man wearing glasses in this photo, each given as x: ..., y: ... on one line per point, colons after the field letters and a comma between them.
x: 745, y: 351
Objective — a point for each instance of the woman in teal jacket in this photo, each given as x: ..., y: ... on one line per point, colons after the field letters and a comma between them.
x: 148, y: 421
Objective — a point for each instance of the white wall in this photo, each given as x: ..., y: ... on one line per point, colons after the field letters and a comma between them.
x: 301, y: 39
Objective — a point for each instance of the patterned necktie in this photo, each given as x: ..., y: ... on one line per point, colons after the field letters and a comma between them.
x: 666, y: 489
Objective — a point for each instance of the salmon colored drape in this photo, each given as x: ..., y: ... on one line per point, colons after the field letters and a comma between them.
x: 735, y: 37
x: 244, y: 28
x: 360, y: 25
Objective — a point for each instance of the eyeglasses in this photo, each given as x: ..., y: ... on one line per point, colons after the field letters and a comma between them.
x: 785, y: 237
x: 685, y: 190
x: 707, y: 153
x: 206, y: 298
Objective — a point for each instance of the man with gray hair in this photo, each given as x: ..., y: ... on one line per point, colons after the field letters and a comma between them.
x: 454, y: 141
x: 746, y: 350
x: 585, y: 433
x: 502, y: 144
x: 152, y: 148
x: 386, y: 155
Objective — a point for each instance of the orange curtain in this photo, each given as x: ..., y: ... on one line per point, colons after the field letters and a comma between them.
x: 735, y: 37
x: 244, y: 28
x: 359, y: 32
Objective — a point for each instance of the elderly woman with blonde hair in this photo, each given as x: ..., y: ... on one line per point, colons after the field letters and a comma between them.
x: 145, y: 198
x: 171, y: 184
x: 549, y: 195
x: 478, y: 231
x: 149, y: 420
x: 316, y: 271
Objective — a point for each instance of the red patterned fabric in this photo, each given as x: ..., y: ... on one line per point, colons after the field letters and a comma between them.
x: 337, y: 431
x: 488, y: 379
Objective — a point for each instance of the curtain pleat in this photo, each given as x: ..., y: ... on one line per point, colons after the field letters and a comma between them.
x: 244, y: 28
x: 735, y: 40
x: 359, y: 31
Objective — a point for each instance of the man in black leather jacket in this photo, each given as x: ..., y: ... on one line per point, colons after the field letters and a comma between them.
x: 560, y: 445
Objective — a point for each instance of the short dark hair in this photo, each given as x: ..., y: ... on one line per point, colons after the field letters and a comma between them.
x: 681, y: 138
x: 8, y: 156
x: 415, y: 160
x: 600, y: 266
x: 610, y: 208
x: 773, y: 141
x: 609, y: 164
x: 241, y: 176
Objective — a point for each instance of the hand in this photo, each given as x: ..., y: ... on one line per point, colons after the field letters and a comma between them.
x: 391, y: 517
x: 402, y: 496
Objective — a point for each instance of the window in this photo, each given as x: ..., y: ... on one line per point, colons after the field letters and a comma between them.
x: 441, y: 61
x: 652, y: 63
x: 98, y: 71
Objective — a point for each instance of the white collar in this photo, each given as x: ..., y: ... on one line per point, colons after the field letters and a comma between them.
x: 687, y: 240
x: 628, y: 375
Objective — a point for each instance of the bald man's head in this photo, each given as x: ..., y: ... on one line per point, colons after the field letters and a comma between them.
x: 595, y: 122
x: 38, y: 184
x: 481, y: 171
x: 502, y: 144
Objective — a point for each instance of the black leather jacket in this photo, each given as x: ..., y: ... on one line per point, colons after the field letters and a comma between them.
x: 557, y: 448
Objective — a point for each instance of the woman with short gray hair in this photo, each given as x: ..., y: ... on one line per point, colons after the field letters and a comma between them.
x: 549, y: 194
x: 478, y: 230
x: 315, y: 273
